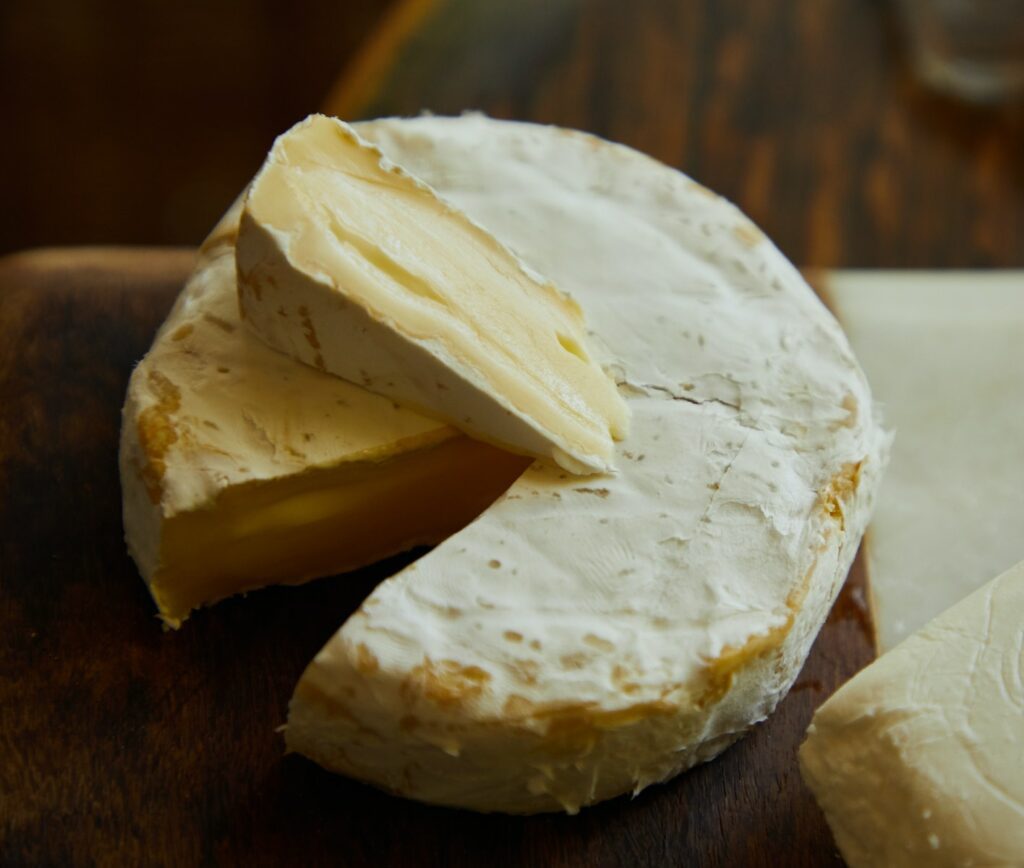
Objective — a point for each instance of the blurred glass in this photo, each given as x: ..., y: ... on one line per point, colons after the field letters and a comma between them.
x: 973, y: 49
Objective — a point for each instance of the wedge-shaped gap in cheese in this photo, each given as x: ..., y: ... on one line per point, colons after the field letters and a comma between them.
x: 322, y: 522
x: 271, y: 472
x: 386, y: 285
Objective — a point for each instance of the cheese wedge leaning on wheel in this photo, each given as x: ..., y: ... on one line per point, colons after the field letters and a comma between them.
x: 588, y: 637
x: 349, y: 263
x: 242, y: 468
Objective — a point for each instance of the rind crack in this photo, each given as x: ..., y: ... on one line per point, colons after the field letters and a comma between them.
x: 650, y: 387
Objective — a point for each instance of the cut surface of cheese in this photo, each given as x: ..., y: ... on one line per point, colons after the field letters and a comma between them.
x: 945, y: 356
x: 241, y: 467
x: 586, y: 638
x: 919, y: 759
x: 350, y: 264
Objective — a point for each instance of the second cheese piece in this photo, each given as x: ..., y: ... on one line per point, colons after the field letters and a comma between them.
x: 919, y: 760
x: 350, y: 264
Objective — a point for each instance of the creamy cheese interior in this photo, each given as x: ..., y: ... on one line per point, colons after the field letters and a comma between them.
x: 300, y: 527
x: 359, y: 237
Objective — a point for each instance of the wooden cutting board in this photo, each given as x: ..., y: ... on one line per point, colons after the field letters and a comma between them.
x: 123, y: 744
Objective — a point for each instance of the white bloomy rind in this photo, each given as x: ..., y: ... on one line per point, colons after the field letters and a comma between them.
x: 350, y: 264
x: 919, y: 759
x: 586, y: 638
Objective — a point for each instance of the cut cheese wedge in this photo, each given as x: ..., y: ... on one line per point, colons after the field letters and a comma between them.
x: 350, y: 264
x: 945, y: 354
x: 919, y: 759
x: 241, y: 467
x: 586, y: 638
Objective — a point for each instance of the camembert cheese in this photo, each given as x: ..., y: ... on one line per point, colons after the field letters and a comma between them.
x: 242, y: 468
x: 919, y: 759
x: 586, y: 638
x: 350, y: 264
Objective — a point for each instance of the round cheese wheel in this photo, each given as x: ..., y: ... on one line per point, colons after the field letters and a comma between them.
x: 587, y: 637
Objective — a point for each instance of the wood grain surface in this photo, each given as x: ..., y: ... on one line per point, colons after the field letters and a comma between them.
x: 122, y: 744
x: 803, y: 112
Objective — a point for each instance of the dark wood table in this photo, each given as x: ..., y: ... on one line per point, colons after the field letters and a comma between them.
x: 126, y: 745
x: 802, y: 112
